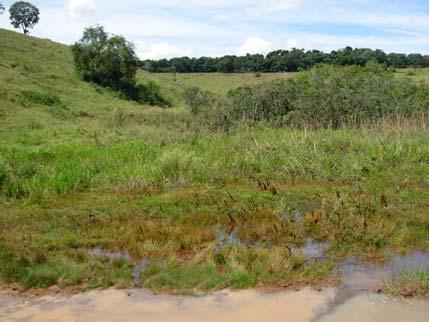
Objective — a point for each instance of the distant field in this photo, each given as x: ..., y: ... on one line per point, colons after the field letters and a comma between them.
x: 216, y: 82
x: 222, y: 83
x: 418, y: 74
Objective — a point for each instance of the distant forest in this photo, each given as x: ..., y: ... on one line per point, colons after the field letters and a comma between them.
x: 284, y: 61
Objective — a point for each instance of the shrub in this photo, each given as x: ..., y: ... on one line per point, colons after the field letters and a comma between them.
x: 197, y: 99
x: 263, y: 102
x: 150, y: 93
x: 331, y: 96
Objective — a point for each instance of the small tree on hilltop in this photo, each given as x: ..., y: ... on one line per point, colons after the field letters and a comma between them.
x: 24, y: 15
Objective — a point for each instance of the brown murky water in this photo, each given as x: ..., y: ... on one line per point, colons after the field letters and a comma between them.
x: 353, y: 301
x: 247, y: 306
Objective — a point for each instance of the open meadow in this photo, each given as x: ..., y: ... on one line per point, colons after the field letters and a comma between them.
x: 98, y: 191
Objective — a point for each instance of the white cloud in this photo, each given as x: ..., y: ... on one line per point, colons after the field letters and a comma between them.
x: 81, y: 8
x: 169, y: 28
x: 221, y: 17
x: 159, y: 50
x: 270, y: 6
x: 254, y: 45
x: 291, y: 43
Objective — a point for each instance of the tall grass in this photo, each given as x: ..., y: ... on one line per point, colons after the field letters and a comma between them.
x: 308, y: 155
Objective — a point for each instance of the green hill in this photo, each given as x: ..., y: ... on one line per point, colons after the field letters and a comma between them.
x: 43, y: 101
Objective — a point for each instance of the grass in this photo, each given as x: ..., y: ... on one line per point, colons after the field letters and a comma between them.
x: 219, y: 83
x: 416, y: 74
x: 411, y: 282
x: 81, y: 168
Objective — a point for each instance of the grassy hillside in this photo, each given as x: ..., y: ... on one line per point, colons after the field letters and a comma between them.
x: 43, y: 101
x: 98, y: 191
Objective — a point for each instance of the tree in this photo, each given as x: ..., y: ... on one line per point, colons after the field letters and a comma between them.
x: 1, y: 9
x: 110, y: 61
x: 105, y: 60
x: 24, y: 15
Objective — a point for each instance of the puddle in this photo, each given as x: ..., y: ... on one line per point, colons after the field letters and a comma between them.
x: 138, y: 266
x: 225, y: 239
x: 313, y: 250
x: 369, y: 307
x: 358, y: 276
x: 226, y: 306
x: 353, y: 301
x: 295, y: 216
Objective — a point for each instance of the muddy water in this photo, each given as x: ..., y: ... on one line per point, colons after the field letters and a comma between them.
x: 247, y: 306
x: 353, y: 301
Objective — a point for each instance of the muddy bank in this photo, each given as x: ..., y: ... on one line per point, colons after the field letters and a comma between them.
x: 304, y: 306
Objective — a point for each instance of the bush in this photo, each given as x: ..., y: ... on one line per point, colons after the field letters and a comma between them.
x: 150, y: 93
x: 331, y: 96
x: 197, y: 99
x: 263, y: 102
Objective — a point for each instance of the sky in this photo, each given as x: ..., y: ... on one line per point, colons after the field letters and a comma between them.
x: 172, y: 28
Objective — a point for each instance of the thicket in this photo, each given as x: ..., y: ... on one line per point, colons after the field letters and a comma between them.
x: 326, y: 96
x: 110, y: 61
x: 285, y: 61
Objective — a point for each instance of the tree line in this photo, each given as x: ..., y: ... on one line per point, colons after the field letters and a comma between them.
x: 285, y: 61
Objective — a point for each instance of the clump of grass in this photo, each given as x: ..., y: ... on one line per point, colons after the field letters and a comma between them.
x: 40, y: 98
x: 240, y: 268
x: 34, y: 268
x: 410, y: 282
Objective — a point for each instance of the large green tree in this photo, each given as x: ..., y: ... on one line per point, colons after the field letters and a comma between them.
x: 24, y: 15
x: 104, y: 59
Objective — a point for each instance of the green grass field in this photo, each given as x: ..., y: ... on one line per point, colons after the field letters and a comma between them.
x: 215, y: 82
x: 83, y: 169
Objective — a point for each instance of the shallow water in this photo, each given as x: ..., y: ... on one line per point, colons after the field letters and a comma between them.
x: 303, y: 306
x: 138, y: 265
x: 354, y: 300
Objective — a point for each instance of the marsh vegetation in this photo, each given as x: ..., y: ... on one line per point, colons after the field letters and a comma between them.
x: 222, y: 190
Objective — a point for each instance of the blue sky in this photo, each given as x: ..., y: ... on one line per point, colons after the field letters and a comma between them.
x: 167, y: 28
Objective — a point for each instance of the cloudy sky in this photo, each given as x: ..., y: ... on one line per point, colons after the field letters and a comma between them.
x: 167, y: 28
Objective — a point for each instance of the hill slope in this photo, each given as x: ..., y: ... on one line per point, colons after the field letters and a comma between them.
x: 43, y: 101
